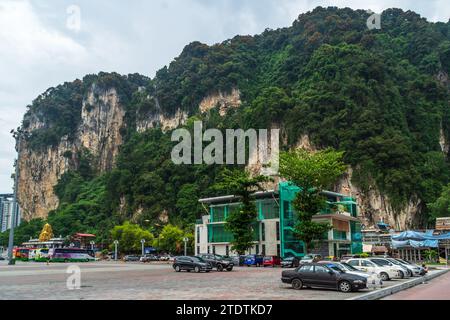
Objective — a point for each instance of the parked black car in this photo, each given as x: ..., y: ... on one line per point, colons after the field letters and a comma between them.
x: 290, y: 262
x: 1, y: 258
x: 218, y: 262
x: 321, y: 276
x: 191, y: 264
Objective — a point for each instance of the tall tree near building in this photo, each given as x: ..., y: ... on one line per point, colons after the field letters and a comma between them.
x: 239, y: 222
x: 441, y: 207
x: 312, y: 172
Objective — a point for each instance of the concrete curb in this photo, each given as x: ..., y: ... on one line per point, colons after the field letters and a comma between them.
x: 378, y: 294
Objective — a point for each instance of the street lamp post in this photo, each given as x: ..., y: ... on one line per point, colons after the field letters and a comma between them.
x: 186, y: 240
x: 116, y: 242
x: 143, y: 243
x: 11, y: 261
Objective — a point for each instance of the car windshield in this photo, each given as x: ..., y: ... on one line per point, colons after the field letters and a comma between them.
x: 289, y: 259
x: 378, y: 263
x: 394, y: 261
x: 348, y: 267
x: 336, y: 267
x: 198, y: 259
x: 403, y: 261
x: 307, y: 257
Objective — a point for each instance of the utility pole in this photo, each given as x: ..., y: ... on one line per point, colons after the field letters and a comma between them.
x: 143, y: 243
x: 186, y: 240
x: 116, y: 242
x: 11, y: 261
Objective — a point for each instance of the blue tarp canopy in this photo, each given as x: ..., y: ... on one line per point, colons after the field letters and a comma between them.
x: 415, y: 244
x: 419, y: 236
x: 418, y: 239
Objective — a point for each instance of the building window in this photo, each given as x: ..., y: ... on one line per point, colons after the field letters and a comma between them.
x: 278, y: 250
x: 209, y: 251
x: 198, y: 250
x: 227, y: 250
x: 214, y: 249
x: 263, y: 249
x: 278, y: 231
x: 263, y: 232
x: 286, y: 210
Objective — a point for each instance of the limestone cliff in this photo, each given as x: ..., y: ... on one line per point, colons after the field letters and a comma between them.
x: 99, y: 132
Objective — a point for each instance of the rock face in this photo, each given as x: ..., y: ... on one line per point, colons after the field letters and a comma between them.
x: 38, y: 174
x: 374, y: 207
x: 222, y: 101
x: 99, y: 132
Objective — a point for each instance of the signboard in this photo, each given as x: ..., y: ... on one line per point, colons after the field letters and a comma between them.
x: 443, y: 224
x: 149, y: 250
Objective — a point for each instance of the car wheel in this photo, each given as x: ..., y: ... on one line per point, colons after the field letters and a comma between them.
x: 402, y: 274
x: 197, y: 270
x: 297, y: 284
x: 345, y: 286
x: 229, y: 269
x: 384, y: 276
x: 177, y: 269
x: 219, y: 267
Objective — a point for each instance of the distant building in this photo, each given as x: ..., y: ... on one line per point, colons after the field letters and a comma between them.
x: 52, y: 243
x: 443, y: 224
x: 274, y: 228
x: 6, y: 212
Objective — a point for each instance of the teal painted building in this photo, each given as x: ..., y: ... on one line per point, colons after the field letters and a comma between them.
x: 274, y: 228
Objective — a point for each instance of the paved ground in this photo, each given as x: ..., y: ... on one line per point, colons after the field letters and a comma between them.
x: 436, y: 289
x: 103, y: 280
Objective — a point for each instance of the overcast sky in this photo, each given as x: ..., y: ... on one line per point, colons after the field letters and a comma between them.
x: 41, y: 47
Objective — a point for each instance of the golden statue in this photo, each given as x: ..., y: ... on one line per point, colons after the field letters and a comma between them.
x: 46, y: 233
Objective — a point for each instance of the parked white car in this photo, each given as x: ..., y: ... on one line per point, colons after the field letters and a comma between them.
x: 414, y: 268
x: 374, y: 280
x: 310, y: 258
x: 386, y: 273
x: 385, y: 262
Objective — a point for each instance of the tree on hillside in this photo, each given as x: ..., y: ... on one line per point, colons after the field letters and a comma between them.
x: 23, y: 233
x: 171, y: 239
x: 312, y: 172
x: 441, y: 207
x: 239, y: 222
x: 130, y: 235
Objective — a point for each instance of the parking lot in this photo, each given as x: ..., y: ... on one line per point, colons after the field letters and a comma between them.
x: 117, y: 280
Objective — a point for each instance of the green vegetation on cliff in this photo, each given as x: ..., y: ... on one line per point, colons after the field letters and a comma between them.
x: 373, y: 94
